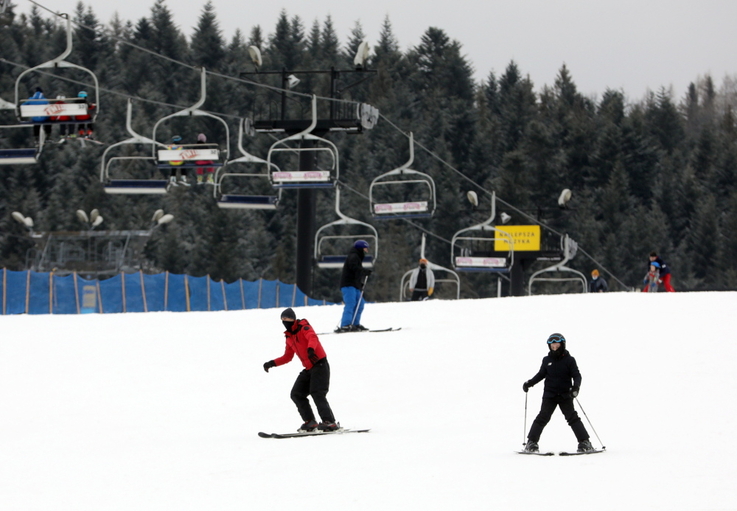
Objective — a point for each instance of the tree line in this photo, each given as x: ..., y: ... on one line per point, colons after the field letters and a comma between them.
x: 658, y: 173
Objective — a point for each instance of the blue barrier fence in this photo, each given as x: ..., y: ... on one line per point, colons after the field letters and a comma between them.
x: 28, y: 292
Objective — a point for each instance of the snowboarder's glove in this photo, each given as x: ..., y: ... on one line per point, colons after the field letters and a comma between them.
x: 268, y: 365
x: 368, y: 272
x: 312, y: 356
x: 574, y: 392
x: 526, y: 386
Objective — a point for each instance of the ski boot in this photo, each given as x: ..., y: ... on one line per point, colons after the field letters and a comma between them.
x: 328, y: 426
x: 359, y: 328
x: 531, y: 446
x: 585, y: 446
x: 307, y: 426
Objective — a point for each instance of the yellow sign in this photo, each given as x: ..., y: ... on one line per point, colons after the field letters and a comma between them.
x: 526, y: 238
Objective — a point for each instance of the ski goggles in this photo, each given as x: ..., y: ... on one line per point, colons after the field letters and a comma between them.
x: 556, y: 338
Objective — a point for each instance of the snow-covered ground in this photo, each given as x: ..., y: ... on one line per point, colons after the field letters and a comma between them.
x: 160, y: 411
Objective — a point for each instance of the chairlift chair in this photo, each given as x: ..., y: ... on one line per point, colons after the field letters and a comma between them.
x: 189, y: 154
x: 29, y: 111
x: 569, y: 249
x: 331, y: 249
x: 19, y: 156
x: 225, y: 173
x: 130, y: 186
x: 325, y: 177
x: 420, y: 185
x: 451, y: 278
x: 484, y: 238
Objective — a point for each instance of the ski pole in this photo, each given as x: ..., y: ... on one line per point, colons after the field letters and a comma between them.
x: 592, y: 426
x: 524, y: 428
x: 358, y: 303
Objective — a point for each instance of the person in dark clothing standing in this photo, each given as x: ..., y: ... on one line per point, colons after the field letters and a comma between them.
x: 422, y: 281
x: 351, y: 285
x: 314, y: 379
x: 664, y: 272
x: 562, y: 383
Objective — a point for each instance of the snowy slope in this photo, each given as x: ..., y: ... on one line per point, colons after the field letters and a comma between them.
x: 161, y: 410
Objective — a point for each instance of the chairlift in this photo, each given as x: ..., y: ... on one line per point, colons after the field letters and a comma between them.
x: 450, y: 278
x: 47, y: 111
x: 325, y: 177
x: 130, y: 186
x: 477, y: 248
x: 225, y: 173
x: 417, y: 186
x: 19, y: 156
x: 569, y: 249
x: 331, y: 250
x: 187, y: 155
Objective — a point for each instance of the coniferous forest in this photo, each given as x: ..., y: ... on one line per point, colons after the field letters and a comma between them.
x: 652, y: 173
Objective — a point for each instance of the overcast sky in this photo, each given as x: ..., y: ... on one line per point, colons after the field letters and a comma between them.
x: 631, y: 45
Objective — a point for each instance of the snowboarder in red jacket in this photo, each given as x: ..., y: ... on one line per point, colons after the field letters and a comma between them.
x: 314, y: 379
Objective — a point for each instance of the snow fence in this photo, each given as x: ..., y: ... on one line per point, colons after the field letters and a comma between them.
x: 28, y: 292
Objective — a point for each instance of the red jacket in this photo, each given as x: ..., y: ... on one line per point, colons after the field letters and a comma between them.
x: 301, y: 337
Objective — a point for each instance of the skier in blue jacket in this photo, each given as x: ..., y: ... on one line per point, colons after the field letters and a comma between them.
x: 562, y: 383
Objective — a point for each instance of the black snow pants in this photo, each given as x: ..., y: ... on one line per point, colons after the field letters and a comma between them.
x: 314, y: 382
x: 569, y: 412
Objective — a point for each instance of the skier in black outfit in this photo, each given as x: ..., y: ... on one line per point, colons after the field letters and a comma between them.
x: 562, y: 383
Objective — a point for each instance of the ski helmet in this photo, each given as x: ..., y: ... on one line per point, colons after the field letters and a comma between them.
x: 361, y: 244
x: 557, y: 338
x: 656, y: 264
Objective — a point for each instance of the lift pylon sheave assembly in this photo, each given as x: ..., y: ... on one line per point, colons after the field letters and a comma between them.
x: 331, y: 250
x: 483, y: 247
x: 127, y: 185
x: 187, y: 155
x: 324, y: 176
x: 418, y: 186
x: 226, y: 173
x: 569, y: 249
x: 57, y: 111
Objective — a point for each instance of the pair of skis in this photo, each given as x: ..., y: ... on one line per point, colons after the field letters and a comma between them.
x: 362, y: 331
x: 564, y: 453
x: 340, y: 431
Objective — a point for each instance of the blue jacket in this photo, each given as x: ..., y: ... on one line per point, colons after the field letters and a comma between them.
x: 40, y: 99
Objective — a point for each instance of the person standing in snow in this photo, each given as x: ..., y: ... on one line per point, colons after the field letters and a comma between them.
x: 351, y: 286
x: 562, y: 383
x: 597, y: 284
x: 664, y: 272
x: 314, y: 379
x: 422, y: 281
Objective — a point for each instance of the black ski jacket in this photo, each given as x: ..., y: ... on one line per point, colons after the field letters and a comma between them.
x: 353, y: 273
x: 560, y: 374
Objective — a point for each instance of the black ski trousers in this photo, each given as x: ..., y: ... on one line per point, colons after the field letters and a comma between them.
x: 569, y: 412
x: 313, y: 382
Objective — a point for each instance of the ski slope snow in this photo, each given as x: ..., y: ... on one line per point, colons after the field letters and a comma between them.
x: 161, y: 410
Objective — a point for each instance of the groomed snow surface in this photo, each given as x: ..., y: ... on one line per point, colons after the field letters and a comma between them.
x: 161, y: 411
